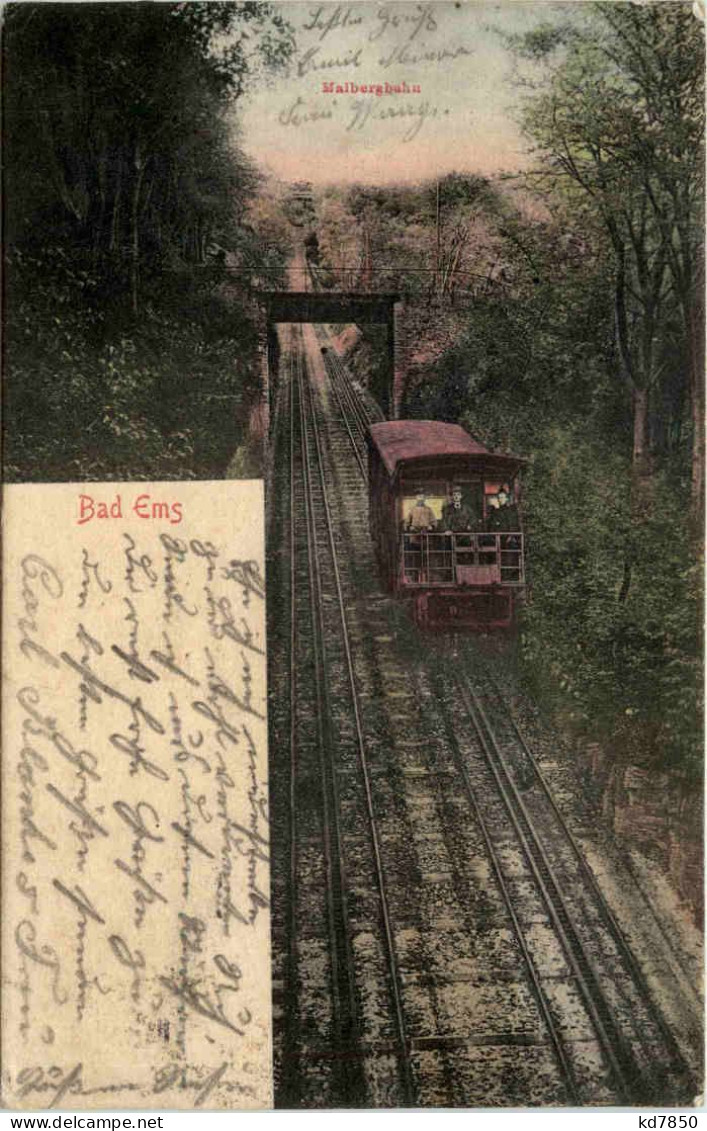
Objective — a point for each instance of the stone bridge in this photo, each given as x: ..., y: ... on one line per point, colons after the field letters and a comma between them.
x: 330, y: 307
x: 418, y: 329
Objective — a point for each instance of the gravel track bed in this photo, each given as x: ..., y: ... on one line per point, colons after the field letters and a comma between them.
x: 464, y: 986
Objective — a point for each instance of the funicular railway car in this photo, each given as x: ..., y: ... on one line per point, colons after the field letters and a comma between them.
x: 445, y: 522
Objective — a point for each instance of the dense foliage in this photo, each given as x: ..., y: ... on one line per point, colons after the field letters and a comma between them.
x: 430, y: 239
x: 130, y: 349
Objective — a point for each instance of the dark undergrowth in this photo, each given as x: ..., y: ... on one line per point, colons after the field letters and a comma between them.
x: 93, y: 392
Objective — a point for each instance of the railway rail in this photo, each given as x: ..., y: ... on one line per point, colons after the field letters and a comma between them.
x: 438, y: 936
x: 484, y: 687
x: 641, y: 1059
x: 355, y: 414
x: 491, y: 689
x: 321, y: 651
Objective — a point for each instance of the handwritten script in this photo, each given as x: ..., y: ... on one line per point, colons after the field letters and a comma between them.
x: 376, y: 68
x: 135, y: 926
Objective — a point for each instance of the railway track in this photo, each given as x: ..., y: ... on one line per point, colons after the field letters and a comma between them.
x: 437, y: 938
x: 613, y: 1007
x: 510, y: 742
x: 356, y: 416
x: 490, y: 686
x: 321, y: 666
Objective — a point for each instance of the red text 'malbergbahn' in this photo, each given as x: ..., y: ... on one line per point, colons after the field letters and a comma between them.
x: 378, y: 88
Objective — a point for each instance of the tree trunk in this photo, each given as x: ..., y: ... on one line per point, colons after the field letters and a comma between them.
x: 100, y: 223
x: 696, y: 363
x: 640, y: 485
x: 639, y: 460
x: 115, y: 219
x: 135, y: 229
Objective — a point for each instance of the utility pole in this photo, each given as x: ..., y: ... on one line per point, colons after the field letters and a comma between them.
x: 366, y: 257
x: 439, y: 241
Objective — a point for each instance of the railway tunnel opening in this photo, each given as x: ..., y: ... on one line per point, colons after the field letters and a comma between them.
x: 341, y: 308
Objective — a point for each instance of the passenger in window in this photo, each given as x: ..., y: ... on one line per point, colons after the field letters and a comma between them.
x: 505, y: 515
x: 457, y: 515
x: 421, y: 516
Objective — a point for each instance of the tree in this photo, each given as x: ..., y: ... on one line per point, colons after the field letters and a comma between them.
x: 117, y: 132
x: 618, y: 127
x: 461, y: 205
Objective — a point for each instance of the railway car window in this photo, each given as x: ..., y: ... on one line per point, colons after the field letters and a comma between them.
x: 496, y: 492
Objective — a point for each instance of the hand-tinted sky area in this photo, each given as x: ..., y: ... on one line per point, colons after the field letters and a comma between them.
x: 461, y: 119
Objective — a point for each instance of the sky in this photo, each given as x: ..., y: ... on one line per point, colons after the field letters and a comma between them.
x: 460, y: 118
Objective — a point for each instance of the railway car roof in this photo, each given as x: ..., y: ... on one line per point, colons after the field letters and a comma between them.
x: 403, y: 441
